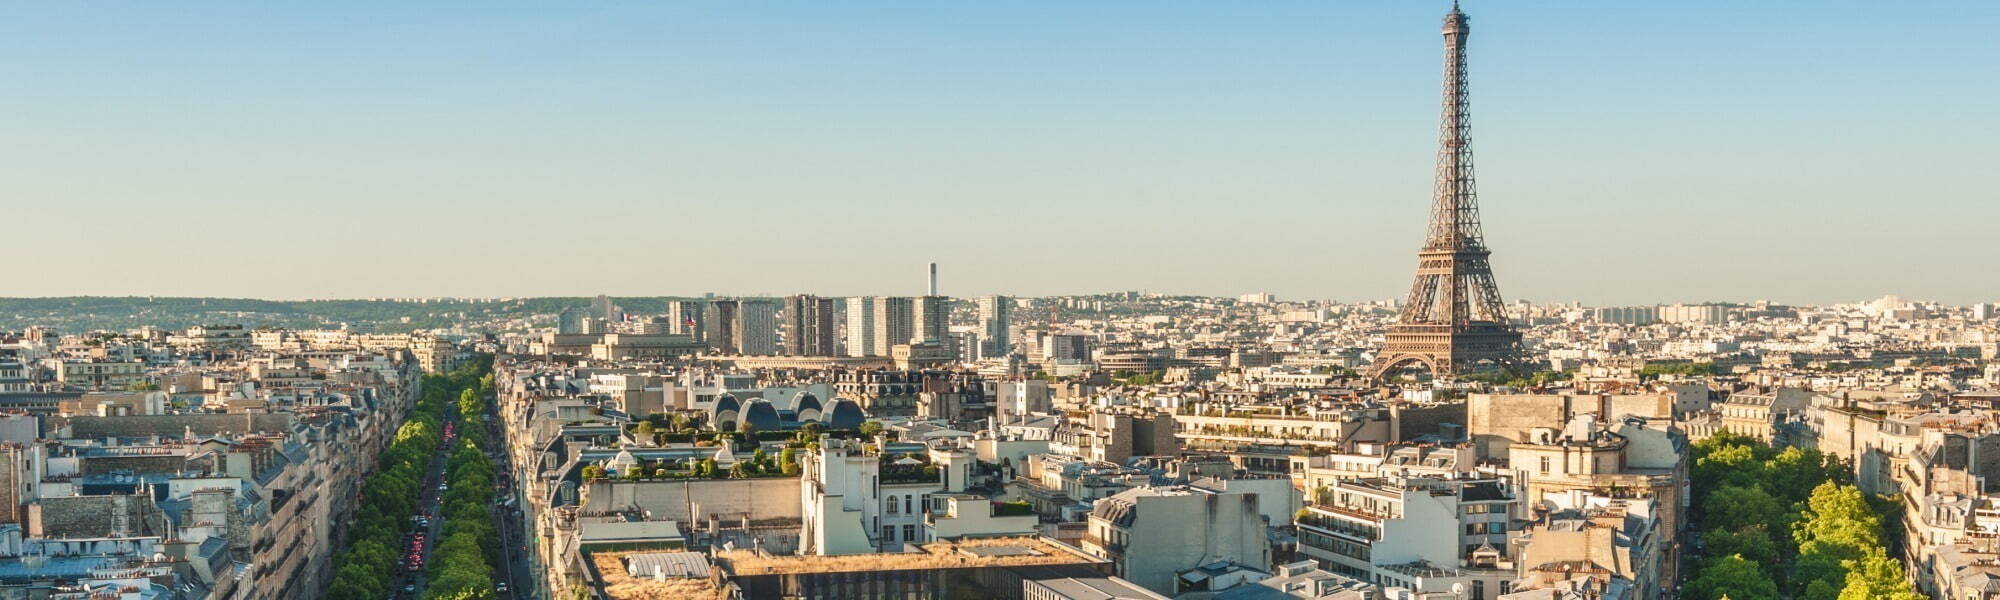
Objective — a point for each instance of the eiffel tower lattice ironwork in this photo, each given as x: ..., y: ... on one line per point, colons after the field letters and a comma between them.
x: 1454, y: 321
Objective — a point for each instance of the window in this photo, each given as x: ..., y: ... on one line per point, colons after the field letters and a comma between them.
x: 1478, y: 590
x: 888, y: 533
x: 892, y: 506
x: 906, y: 504
x: 1545, y: 464
x: 910, y: 533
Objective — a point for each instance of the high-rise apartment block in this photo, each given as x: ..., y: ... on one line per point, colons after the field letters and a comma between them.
x: 685, y: 317
x: 757, y: 327
x: 996, y: 314
x: 1694, y: 314
x: 743, y: 326
x: 931, y: 318
x: 894, y: 323
x: 809, y: 325
x: 720, y: 318
x: 1625, y: 315
x: 861, y: 326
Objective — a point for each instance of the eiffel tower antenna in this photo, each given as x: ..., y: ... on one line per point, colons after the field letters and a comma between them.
x: 1453, y: 322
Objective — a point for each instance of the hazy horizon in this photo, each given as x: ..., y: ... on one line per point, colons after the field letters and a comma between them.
x: 719, y: 295
x: 1627, y: 153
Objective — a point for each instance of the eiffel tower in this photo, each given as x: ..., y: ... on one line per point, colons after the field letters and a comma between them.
x: 1453, y: 322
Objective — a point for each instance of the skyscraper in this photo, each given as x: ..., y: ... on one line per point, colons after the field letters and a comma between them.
x: 757, y: 326
x: 931, y: 315
x: 861, y: 326
x: 570, y: 320
x: 894, y: 323
x: 1453, y: 322
x: 808, y: 324
x: 685, y: 317
x: 996, y: 313
x: 720, y: 318
x: 603, y: 307
x: 931, y: 319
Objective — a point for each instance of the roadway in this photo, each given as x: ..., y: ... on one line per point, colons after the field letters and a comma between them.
x: 428, y: 501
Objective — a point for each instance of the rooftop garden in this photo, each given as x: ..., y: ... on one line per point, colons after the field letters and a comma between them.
x: 1012, y: 509
x: 760, y: 464
x: 908, y: 468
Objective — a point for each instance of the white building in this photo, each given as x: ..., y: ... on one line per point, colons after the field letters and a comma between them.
x: 861, y: 326
x: 856, y: 503
x: 1376, y: 529
x: 1154, y: 534
x: 1701, y: 314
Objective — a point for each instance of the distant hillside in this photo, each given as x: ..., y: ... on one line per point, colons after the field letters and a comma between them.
x: 85, y: 313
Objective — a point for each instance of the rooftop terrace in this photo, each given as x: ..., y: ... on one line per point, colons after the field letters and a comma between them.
x: 623, y: 586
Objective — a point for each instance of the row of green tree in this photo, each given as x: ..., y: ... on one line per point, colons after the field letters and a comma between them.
x: 369, y: 566
x: 468, y: 550
x: 1788, y: 520
x: 1653, y: 370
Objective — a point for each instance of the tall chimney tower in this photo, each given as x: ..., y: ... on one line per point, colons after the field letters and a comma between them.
x: 933, y: 280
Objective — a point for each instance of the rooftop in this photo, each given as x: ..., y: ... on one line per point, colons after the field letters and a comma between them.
x: 983, y: 552
x: 621, y: 585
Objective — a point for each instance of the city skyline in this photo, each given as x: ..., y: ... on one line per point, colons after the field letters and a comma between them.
x: 1051, y: 301
x: 1799, y: 156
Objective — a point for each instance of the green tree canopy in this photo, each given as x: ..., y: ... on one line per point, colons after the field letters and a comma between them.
x: 1733, y: 507
x: 1732, y: 577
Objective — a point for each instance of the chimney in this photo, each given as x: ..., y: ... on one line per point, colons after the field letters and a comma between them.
x: 933, y: 287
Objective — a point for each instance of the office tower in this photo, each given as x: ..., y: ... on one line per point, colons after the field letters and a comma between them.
x: 931, y: 318
x: 570, y: 321
x: 1453, y: 321
x: 603, y: 307
x: 894, y: 324
x: 861, y: 326
x: 808, y: 324
x: 996, y: 313
x: 685, y: 317
x: 757, y: 326
x: 932, y: 314
x: 720, y: 318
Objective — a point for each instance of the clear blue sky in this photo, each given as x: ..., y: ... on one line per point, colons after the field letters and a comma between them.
x: 1627, y: 152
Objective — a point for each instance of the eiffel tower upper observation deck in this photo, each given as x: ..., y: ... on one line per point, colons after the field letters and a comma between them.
x: 1453, y: 322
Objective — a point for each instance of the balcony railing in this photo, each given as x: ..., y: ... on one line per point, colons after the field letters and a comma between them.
x: 1093, y: 539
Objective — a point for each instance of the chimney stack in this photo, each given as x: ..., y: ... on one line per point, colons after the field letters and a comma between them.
x: 933, y: 279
